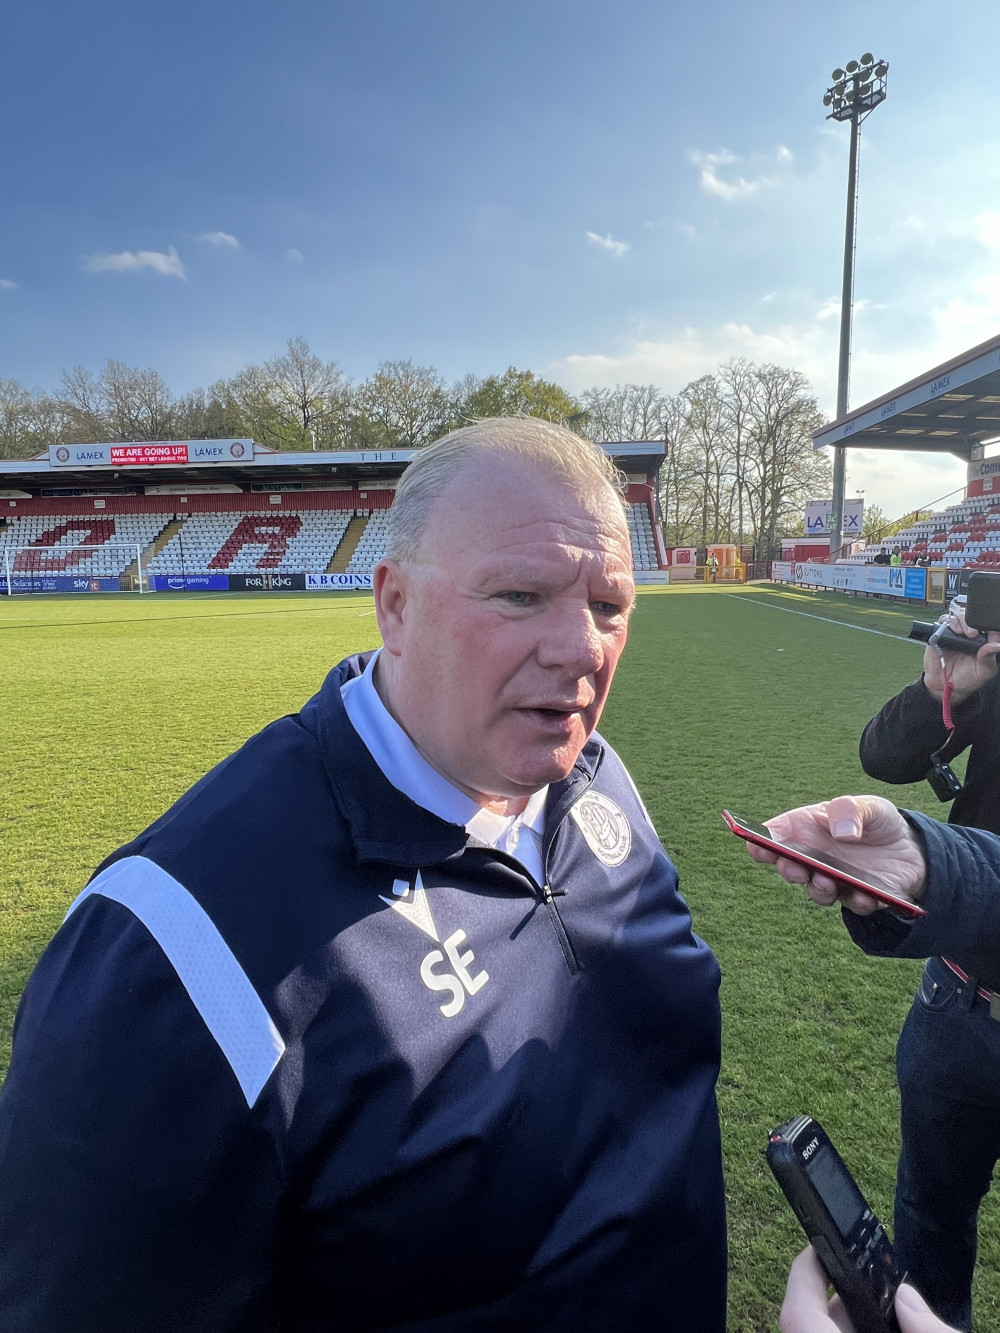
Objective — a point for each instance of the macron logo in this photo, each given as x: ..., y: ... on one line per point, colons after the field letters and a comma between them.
x: 412, y: 903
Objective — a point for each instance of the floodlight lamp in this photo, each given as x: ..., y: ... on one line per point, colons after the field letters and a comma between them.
x: 837, y: 74
x: 867, y: 58
x: 865, y: 89
x: 881, y: 70
x: 851, y: 66
x: 827, y: 100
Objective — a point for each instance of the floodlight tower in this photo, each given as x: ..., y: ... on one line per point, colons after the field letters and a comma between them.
x: 855, y: 93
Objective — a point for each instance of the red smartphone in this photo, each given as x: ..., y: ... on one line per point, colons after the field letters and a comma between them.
x: 842, y: 871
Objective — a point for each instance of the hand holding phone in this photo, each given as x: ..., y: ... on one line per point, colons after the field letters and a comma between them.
x: 855, y: 849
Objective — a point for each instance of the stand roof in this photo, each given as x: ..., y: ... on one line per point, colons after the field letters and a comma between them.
x: 953, y: 408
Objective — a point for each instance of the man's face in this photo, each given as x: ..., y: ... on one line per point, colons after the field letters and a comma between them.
x: 502, y: 639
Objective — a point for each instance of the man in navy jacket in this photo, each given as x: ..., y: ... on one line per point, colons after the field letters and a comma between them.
x: 431, y: 1047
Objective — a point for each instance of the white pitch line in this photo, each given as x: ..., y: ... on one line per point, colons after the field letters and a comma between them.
x: 828, y: 620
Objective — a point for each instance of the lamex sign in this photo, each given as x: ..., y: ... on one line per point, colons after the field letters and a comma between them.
x: 820, y: 518
x: 338, y: 582
x: 80, y: 455
x: 151, y: 453
x: 220, y: 451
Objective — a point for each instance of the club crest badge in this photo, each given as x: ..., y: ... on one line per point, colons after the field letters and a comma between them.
x: 605, y: 827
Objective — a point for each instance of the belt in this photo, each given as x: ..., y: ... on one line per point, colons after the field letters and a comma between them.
x: 992, y: 997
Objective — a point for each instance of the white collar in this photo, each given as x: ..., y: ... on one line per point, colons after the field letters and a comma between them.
x: 409, y: 772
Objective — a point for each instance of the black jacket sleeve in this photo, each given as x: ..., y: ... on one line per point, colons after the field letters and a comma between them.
x: 898, y: 742
x: 137, y: 1188
x: 962, y: 900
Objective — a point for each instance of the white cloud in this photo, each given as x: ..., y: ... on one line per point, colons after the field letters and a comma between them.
x: 768, y: 298
x: 898, y: 482
x: 832, y: 305
x: 296, y: 256
x: 676, y: 360
x: 6, y: 284
x: 131, y: 261
x: 968, y: 322
x: 617, y: 248
x: 220, y: 238
x: 712, y: 183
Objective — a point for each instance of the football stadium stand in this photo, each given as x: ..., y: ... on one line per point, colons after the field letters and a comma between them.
x: 294, y: 541
x: 70, y: 520
x: 964, y: 535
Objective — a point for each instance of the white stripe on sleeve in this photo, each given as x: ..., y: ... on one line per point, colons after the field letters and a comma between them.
x: 205, y: 965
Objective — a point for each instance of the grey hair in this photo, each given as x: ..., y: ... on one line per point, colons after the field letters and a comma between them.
x: 553, y: 448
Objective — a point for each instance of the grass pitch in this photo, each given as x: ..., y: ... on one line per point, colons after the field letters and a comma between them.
x: 752, y: 698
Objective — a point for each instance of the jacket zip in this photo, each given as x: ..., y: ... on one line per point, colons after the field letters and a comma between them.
x: 548, y: 898
x: 544, y: 894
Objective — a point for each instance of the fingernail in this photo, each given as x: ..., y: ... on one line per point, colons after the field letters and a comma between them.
x: 846, y: 828
x: 910, y: 1298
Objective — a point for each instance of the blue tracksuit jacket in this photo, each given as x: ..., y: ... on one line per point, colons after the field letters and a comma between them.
x: 305, y: 1057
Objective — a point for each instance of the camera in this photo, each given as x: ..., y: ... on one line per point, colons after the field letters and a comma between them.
x: 849, y: 1240
x: 982, y: 605
x: 982, y: 612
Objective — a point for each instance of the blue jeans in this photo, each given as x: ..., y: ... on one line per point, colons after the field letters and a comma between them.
x: 948, y: 1065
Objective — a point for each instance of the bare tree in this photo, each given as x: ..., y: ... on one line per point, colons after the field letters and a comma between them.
x: 19, y: 420
x: 211, y: 414
x: 736, y: 393
x: 741, y: 463
x: 311, y: 397
x: 626, y: 412
x: 82, y: 406
x: 679, y: 491
x: 136, y: 404
x: 709, y: 445
x: 783, y: 470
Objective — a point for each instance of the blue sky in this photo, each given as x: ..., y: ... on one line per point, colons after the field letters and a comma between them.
x: 599, y: 193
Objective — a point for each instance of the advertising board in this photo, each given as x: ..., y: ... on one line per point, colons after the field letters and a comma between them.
x: 58, y: 583
x: 819, y: 518
x: 151, y: 453
x: 189, y: 582
x: 338, y: 582
x: 887, y: 580
x: 265, y: 582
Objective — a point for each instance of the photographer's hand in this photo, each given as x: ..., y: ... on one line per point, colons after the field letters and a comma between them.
x: 868, y: 830
x: 967, y: 674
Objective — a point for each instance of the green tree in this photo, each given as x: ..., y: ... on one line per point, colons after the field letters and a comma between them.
x: 515, y: 393
x: 875, y: 525
x: 401, y: 406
